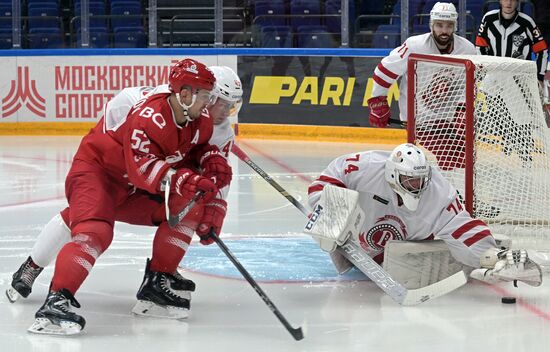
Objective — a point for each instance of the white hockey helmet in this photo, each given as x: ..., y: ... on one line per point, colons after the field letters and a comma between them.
x: 228, y: 87
x: 408, y: 173
x: 443, y: 11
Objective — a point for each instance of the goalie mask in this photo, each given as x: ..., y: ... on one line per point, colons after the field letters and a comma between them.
x: 408, y: 173
x: 443, y: 11
x: 228, y: 87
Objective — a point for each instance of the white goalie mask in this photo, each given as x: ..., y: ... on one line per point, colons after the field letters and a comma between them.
x: 408, y: 173
x: 443, y: 11
x: 228, y: 87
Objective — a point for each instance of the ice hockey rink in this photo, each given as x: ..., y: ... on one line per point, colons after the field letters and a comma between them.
x: 263, y: 229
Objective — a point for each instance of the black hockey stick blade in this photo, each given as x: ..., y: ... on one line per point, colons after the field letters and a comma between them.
x: 173, y: 220
x: 398, y: 122
x: 296, y: 333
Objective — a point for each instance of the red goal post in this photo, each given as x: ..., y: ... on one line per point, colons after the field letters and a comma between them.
x: 481, y: 121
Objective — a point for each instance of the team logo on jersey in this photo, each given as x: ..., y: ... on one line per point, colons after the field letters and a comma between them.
x: 23, y: 92
x: 377, y: 237
x: 518, y: 40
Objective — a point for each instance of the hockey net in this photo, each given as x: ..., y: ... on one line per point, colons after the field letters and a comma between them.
x: 481, y: 121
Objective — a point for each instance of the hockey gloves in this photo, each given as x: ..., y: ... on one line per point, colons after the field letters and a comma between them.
x: 185, y: 184
x: 379, y: 111
x: 214, y: 214
x: 509, y: 265
x: 216, y: 168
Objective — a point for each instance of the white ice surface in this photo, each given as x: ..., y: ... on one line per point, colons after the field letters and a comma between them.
x: 227, y: 315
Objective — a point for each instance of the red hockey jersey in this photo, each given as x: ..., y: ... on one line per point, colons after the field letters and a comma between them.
x: 143, y: 145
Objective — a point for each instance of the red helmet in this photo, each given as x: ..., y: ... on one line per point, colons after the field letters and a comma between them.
x: 188, y: 72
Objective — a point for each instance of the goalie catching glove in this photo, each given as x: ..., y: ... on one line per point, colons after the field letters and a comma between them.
x: 508, y: 265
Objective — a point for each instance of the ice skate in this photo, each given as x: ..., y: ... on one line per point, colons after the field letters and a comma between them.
x: 164, y: 295
x: 55, y: 316
x: 23, y: 279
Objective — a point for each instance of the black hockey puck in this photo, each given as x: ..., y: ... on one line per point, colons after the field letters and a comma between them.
x: 508, y: 300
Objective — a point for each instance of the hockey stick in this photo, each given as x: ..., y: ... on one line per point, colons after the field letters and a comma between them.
x: 296, y: 333
x: 173, y: 220
x: 244, y: 157
x: 365, y: 263
x: 398, y: 122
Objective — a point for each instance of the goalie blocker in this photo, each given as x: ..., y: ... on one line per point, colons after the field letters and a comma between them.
x: 337, y: 220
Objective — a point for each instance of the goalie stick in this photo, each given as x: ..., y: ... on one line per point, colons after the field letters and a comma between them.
x: 296, y: 333
x: 365, y: 263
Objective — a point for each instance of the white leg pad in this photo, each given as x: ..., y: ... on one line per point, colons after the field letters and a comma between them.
x: 50, y: 240
x: 417, y: 264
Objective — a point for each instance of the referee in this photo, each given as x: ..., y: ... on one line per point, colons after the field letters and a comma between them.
x: 508, y: 32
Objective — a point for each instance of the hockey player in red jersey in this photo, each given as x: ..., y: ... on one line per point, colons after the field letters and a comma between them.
x: 159, y: 146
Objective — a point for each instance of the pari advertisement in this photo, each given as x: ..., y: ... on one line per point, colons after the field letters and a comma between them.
x: 314, y: 90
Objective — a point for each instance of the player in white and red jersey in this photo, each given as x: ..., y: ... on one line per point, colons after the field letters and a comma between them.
x: 162, y: 143
x: 441, y: 40
x: 404, y: 198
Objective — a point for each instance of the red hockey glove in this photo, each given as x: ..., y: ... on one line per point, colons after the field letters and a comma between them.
x: 216, y: 168
x: 379, y: 111
x: 183, y: 187
x: 214, y: 214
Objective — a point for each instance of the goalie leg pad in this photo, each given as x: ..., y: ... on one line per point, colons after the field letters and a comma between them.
x: 417, y: 264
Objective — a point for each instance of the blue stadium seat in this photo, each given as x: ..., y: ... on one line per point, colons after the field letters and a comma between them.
x: 333, y: 7
x: 115, y: 3
x: 266, y: 9
x: 528, y: 8
x: 31, y: 3
x: 45, y: 38
x: 37, y: 14
x: 5, y: 38
x: 276, y: 37
x: 308, y: 8
x: 95, y: 8
x: 5, y: 17
x: 315, y: 37
x: 372, y: 7
x: 129, y: 37
x: 99, y: 37
x: 420, y: 29
x: 387, y: 36
x: 123, y: 9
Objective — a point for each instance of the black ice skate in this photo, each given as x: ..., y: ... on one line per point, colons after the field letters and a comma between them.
x: 23, y: 279
x: 164, y: 295
x: 55, y: 316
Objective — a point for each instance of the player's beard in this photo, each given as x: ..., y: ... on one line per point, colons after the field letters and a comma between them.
x: 445, y: 42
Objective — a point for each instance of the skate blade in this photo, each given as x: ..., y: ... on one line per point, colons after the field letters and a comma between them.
x: 150, y: 309
x: 45, y: 327
x: 12, y: 294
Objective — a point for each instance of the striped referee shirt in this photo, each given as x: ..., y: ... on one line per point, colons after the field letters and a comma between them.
x: 518, y: 37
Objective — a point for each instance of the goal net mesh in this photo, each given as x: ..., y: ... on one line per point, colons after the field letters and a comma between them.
x: 510, y: 161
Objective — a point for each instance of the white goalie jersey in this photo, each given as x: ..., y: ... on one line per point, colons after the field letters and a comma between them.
x: 394, y: 65
x: 440, y: 213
